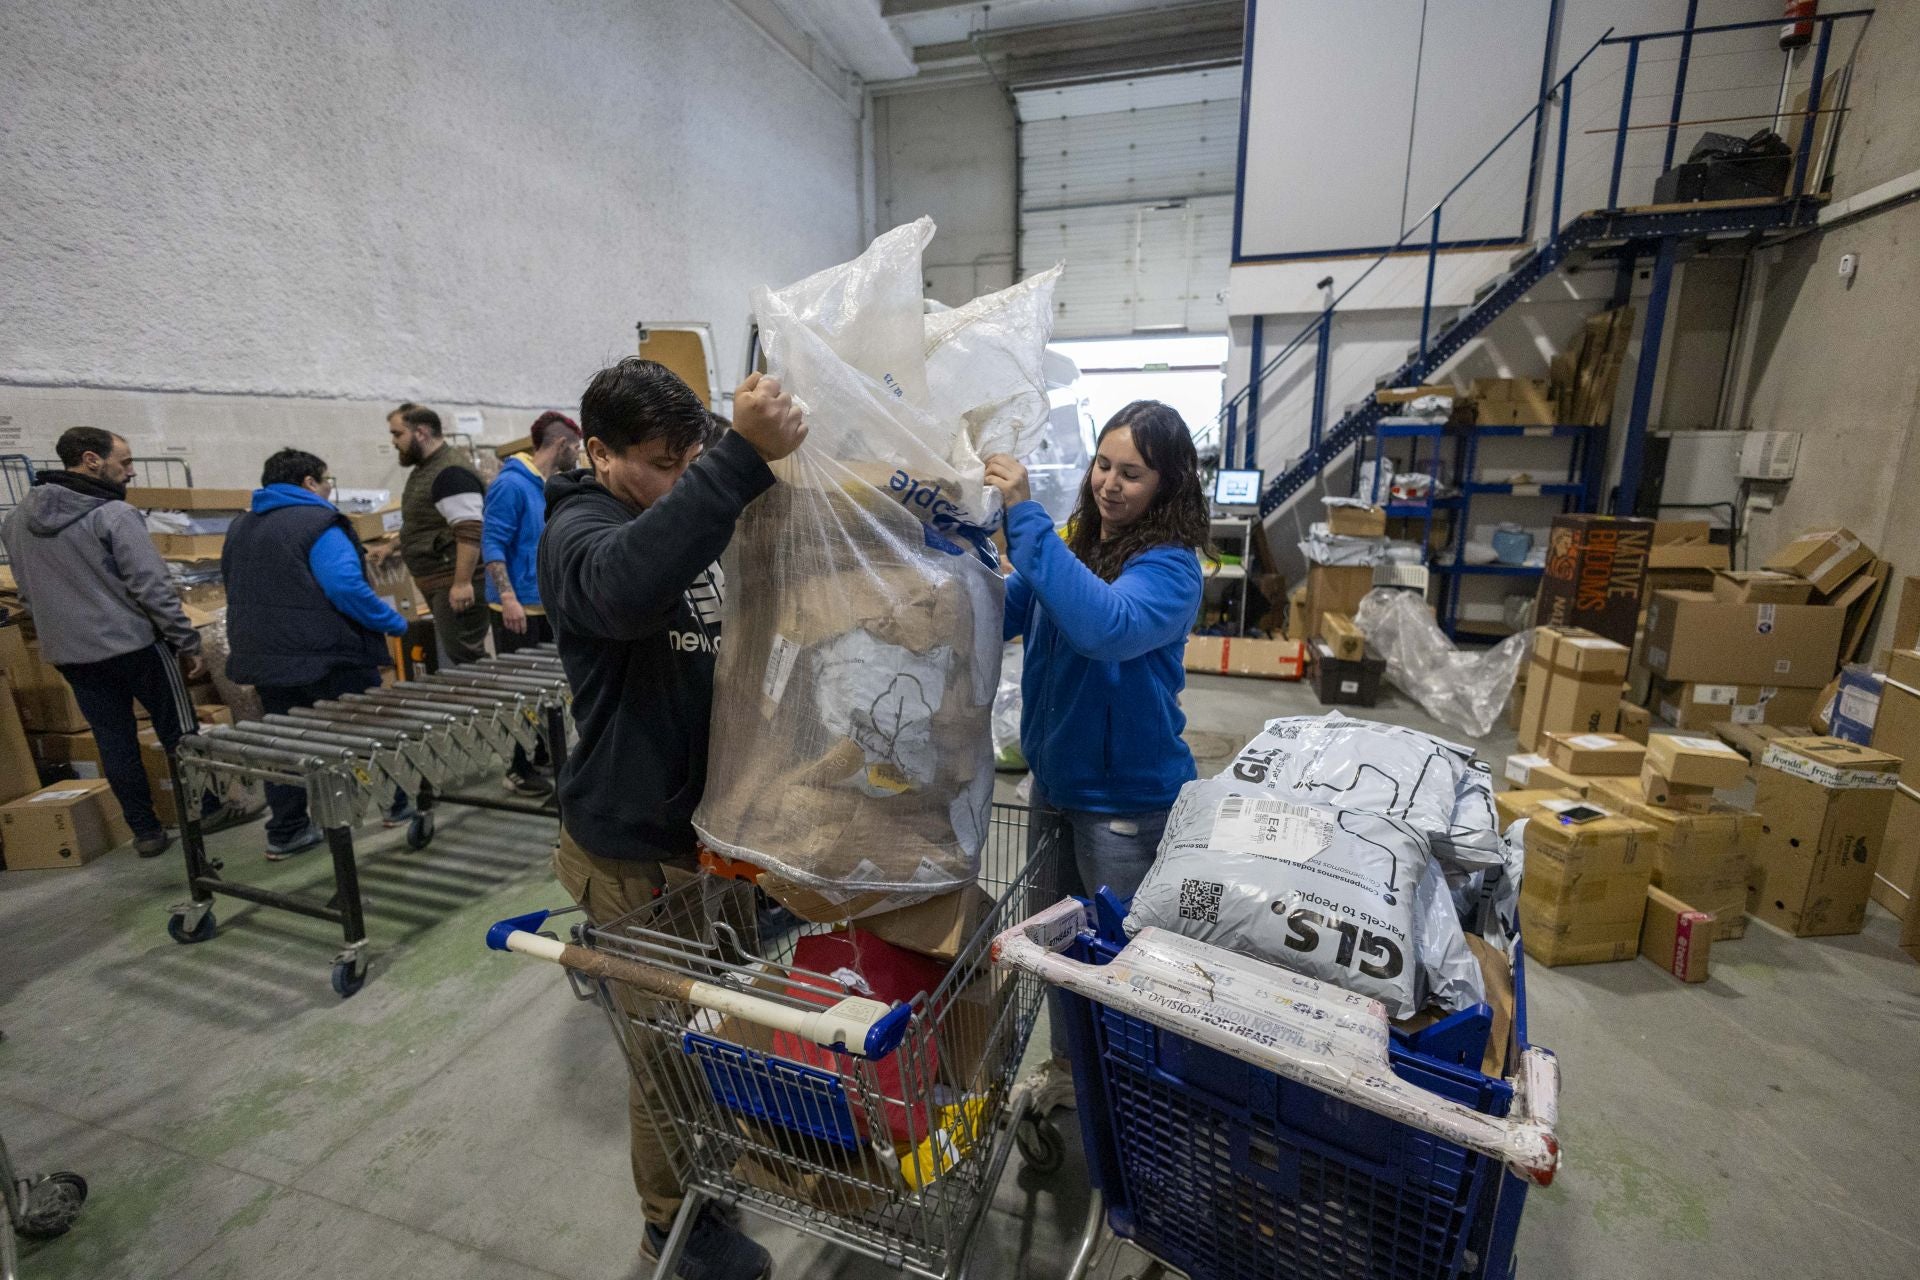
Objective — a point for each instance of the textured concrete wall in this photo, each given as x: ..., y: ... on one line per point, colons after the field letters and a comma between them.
x: 951, y: 153
x: 1835, y: 362
x: 384, y: 199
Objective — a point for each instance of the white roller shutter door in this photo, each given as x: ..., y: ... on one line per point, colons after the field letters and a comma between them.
x: 1130, y: 183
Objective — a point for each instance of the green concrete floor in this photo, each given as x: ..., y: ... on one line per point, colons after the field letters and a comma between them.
x: 464, y: 1117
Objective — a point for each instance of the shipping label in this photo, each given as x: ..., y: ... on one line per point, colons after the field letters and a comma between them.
x: 1269, y: 829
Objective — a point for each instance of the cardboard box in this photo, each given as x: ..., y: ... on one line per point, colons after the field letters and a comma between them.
x: 189, y: 546
x: 1695, y: 761
x: 1573, y: 684
x: 975, y: 1030
x: 1343, y: 637
x: 14, y: 658
x: 44, y: 697
x: 1596, y: 570
x: 212, y: 713
x: 1514, y: 402
x: 1511, y: 806
x: 1658, y: 789
x: 938, y: 927
x: 369, y: 526
x: 1692, y: 704
x: 1357, y: 522
x: 1760, y: 586
x: 1824, y: 557
x: 1703, y: 858
x: 1584, y: 892
x: 18, y: 774
x: 1686, y: 549
x: 1692, y: 636
x: 1335, y: 589
x: 1407, y: 395
x: 1530, y: 772
x: 159, y: 498
x: 1595, y: 754
x: 67, y: 824
x: 1635, y: 722
x: 1232, y: 656
x: 1824, y: 806
x: 1896, y: 877
x: 1751, y: 740
x: 1676, y: 937
x: 1297, y: 613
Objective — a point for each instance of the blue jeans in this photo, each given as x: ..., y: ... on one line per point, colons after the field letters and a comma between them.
x: 1097, y: 850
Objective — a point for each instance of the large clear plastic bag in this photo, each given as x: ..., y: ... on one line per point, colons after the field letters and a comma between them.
x: 851, y: 749
x: 1465, y: 689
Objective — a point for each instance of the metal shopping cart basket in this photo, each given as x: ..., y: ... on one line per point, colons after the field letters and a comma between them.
x: 1241, y: 1120
x: 880, y: 1127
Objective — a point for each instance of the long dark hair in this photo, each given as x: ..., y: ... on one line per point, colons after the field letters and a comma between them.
x: 1178, y: 512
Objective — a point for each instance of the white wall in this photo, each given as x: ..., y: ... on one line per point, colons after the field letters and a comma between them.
x: 228, y: 226
x: 949, y: 153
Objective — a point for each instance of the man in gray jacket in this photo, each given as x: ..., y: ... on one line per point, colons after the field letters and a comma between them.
x: 108, y: 619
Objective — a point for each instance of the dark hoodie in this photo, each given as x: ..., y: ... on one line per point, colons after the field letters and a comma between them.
x: 634, y: 598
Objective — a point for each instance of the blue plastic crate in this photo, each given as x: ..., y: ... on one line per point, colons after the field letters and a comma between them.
x: 1227, y: 1171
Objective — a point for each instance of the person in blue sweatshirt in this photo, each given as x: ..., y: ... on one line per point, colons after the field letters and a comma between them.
x: 516, y: 512
x: 1105, y: 611
x: 303, y: 623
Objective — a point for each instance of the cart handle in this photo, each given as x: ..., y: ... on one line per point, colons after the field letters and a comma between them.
x: 1318, y: 1034
x: 864, y: 1028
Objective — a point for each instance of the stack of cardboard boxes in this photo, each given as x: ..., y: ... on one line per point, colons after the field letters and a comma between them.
x: 1824, y: 807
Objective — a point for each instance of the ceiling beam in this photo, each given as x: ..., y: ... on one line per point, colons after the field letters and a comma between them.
x: 1195, y: 35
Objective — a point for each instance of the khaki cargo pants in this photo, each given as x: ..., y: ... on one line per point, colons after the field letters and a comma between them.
x: 606, y: 889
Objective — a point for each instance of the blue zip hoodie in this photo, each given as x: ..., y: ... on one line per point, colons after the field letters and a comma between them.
x: 510, y: 533
x: 335, y: 564
x: 1100, y: 719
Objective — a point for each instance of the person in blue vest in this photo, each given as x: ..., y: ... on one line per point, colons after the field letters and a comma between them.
x: 303, y: 623
x: 516, y: 512
x: 1105, y: 610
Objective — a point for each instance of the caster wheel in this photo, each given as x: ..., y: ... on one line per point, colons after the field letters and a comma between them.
x: 348, y: 977
x: 1041, y: 1145
x: 178, y: 931
x: 420, y: 831
x: 51, y: 1205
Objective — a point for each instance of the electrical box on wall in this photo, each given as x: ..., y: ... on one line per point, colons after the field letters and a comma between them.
x: 1769, y: 455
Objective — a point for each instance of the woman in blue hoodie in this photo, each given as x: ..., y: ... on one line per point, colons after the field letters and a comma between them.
x: 1105, y: 611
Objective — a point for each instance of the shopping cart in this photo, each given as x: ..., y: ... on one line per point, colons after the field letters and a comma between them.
x: 36, y: 1208
x: 881, y: 1127
x: 1244, y: 1121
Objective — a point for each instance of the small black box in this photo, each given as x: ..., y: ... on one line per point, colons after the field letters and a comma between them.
x: 1345, y: 682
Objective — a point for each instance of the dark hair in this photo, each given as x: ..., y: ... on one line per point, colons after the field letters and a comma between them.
x: 717, y: 426
x: 1177, y: 515
x: 77, y: 442
x: 291, y: 466
x: 418, y: 415
x: 545, y: 425
x: 639, y: 400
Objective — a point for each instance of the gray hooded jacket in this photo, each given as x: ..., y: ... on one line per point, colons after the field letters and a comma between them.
x: 92, y: 578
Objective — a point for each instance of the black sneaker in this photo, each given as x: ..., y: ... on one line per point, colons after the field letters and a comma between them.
x: 153, y: 846
x: 305, y: 838
x: 231, y: 815
x: 716, y: 1250
x: 528, y: 784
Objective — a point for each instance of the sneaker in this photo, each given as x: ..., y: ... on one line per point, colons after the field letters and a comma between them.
x: 1054, y: 1088
x: 528, y: 784
x: 153, y: 846
x: 716, y: 1250
x: 303, y: 839
x: 231, y: 815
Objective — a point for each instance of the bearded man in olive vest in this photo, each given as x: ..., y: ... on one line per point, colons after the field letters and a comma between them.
x: 440, y: 523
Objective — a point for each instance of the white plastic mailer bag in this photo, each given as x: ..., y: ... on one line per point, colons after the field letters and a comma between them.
x: 851, y: 749
x: 1358, y: 764
x: 1340, y: 895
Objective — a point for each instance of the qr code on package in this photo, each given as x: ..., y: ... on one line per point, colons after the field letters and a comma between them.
x: 1200, y: 900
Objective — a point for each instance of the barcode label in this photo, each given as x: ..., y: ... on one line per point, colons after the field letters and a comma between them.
x: 779, y: 667
x: 1269, y: 829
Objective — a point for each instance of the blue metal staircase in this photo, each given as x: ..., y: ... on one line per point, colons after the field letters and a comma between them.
x: 1622, y: 235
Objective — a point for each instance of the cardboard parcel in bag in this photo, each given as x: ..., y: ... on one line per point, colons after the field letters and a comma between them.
x: 851, y: 751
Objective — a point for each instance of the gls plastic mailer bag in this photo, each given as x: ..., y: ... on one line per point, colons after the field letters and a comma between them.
x: 851, y: 750
x: 1339, y: 895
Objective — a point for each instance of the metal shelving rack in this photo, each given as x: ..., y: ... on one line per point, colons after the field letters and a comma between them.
x: 1576, y: 493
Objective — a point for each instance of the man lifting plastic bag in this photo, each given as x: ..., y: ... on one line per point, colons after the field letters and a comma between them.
x: 851, y: 750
